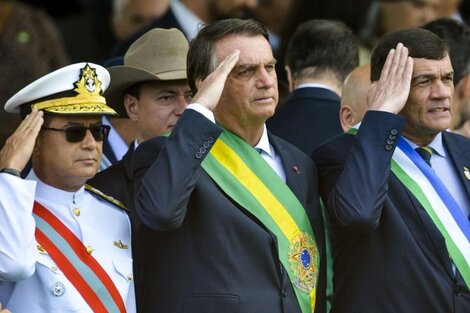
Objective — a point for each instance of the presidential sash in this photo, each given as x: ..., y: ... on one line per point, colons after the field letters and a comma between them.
x: 247, y: 179
x: 80, y: 268
x: 425, y: 185
x: 428, y: 189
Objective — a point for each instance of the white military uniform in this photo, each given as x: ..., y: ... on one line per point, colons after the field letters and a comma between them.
x: 30, y: 281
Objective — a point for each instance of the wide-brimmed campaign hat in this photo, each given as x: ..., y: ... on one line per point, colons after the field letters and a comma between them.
x: 75, y: 89
x: 159, y: 54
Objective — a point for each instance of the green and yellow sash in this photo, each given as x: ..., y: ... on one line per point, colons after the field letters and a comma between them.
x: 245, y: 177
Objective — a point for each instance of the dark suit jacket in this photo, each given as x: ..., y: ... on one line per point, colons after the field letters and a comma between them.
x: 388, y: 255
x: 203, y: 253
x: 117, y: 180
x: 308, y: 118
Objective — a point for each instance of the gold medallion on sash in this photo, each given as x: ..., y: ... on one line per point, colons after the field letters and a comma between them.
x: 303, y: 255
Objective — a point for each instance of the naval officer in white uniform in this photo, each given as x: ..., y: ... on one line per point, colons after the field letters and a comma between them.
x: 64, y: 247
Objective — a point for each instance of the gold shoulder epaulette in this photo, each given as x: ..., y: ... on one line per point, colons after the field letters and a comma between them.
x: 106, y: 197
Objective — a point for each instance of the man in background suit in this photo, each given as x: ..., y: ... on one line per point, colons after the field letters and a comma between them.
x: 354, y: 97
x: 320, y: 55
x: 151, y: 89
x: 230, y: 213
x: 399, y: 217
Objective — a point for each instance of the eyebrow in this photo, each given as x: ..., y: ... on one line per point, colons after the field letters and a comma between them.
x: 249, y: 65
x: 431, y: 75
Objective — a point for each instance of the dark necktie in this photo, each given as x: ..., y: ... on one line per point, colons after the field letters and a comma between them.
x: 259, y: 150
x: 425, y: 153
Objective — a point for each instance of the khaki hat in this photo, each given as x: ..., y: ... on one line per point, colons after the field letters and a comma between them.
x: 159, y: 54
x: 72, y: 90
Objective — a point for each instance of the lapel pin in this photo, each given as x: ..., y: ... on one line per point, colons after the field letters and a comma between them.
x: 296, y: 169
x: 466, y: 171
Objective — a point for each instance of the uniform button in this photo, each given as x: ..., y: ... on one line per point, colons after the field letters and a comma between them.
x: 198, y: 155
x: 57, y: 289
x: 210, y: 140
x: 390, y: 142
x: 202, y: 150
x: 129, y: 277
x: 54, y: 268
x: 76, y: 212
x: 284, y: 293
x: 458, y: 290
x: 388, y: 147
x: 89, y: 250
x: 392, y: 137
x: 205, y: 144
x: 394, y: 131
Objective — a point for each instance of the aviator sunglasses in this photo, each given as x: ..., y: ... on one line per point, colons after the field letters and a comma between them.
x: 76, y: 133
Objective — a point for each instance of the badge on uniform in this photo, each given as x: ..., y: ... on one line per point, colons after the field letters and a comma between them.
x: 121, y: 245
x: 466, y: 171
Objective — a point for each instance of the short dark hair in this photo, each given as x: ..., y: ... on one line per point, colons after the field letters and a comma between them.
x: 322, y: 45
x: 457, y: 37
x: 201, y: 61
x: 421, y: 43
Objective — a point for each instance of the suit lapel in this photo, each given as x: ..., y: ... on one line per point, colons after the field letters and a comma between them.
x: 108, y: 152
x: 127, y: 160
x: 291, y: 167
x: 460, y: 156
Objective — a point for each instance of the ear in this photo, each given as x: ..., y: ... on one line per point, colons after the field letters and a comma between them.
x: 346, y: 117
x: 132, y: 106
x: 290, y: 79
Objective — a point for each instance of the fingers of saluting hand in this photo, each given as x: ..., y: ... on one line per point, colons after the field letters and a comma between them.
x: 19, y: 146
x: 3, y: 310
x: 391, y: 91
x: 210, y: 89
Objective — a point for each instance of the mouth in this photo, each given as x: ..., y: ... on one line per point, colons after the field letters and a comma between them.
x: 439, y: 110
x: 88, y: 160
x: 264, y: 100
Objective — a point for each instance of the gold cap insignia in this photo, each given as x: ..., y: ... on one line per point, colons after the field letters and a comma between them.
x: 88, y: 97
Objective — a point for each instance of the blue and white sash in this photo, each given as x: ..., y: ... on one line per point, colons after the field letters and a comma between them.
x: 425, y: 185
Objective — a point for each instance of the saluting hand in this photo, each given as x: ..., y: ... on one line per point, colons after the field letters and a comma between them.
x: 19, y: 146
x: 3, y: 310
x: 391, y: 91
x: 210, y: 89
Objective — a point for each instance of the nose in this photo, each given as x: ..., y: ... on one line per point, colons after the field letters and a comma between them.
x: 266, y: 79
x: 180, y: 105
x: 441, y: 90
x: 89, y: 141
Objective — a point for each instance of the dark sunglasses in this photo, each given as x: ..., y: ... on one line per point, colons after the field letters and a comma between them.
x: 76, y: 133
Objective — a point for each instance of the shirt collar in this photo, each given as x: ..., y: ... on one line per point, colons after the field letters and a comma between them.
x: 189, y: 22
x: 55, y: 195
x: 264, y: 144
x: 436, y: 144
x: 314, y: 85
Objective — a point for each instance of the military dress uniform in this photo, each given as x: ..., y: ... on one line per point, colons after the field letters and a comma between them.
x: 30, y: 280
x: 63, y: 251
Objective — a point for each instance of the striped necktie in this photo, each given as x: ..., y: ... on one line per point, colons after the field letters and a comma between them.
x: 425, y: 153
